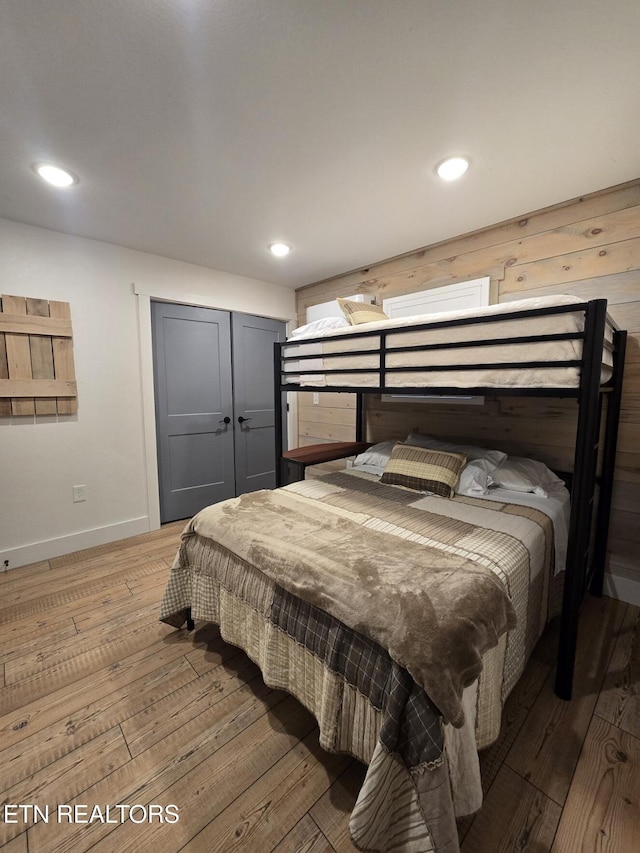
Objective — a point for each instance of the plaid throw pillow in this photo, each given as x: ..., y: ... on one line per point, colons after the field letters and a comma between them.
x: 361, y: 312
x: 423, y: 469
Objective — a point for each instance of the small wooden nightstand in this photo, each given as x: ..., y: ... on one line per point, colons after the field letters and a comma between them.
x: 298, y: 458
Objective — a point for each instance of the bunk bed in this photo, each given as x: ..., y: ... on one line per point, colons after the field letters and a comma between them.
x: 580, y: 354
x: 291, y: 575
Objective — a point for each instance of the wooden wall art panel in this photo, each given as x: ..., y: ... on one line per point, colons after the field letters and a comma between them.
x: 37, y: 375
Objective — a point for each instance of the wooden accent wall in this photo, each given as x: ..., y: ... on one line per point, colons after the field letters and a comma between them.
x: 589, y: 247
x: 37, y: 375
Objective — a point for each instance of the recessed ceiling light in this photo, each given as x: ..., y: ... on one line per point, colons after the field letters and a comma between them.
x: 55, y: 175
x: 279, y: 249
x: 452, y: 168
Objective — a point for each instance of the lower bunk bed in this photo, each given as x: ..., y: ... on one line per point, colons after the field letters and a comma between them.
x: 400, y: 620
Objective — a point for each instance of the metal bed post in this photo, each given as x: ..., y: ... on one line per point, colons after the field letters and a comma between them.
x: 608, y: 462
x: 359, y: 416
x: 582, y: 494
x: 277, y: 410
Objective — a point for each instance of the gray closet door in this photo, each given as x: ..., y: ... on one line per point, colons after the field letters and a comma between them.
x: 193, y: 391
x: 253, y: 339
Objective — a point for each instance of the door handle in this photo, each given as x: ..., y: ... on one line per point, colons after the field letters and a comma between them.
x: 242, y: 420
x: 226, y: 420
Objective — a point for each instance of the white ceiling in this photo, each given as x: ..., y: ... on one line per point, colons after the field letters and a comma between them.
x: 203, y: 130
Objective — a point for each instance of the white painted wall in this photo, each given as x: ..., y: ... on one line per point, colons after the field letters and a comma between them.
x: 106, y: 445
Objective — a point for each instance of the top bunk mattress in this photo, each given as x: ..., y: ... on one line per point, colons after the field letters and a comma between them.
x: 422, y: 352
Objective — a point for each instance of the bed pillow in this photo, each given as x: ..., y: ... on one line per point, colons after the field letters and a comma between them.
x: 492, y: 458
x: 361, y: 312
x: 423, y: 469
x: 315, y: 327
x: 475, y: 479
x: 524, y: 475
x: 377, y: 455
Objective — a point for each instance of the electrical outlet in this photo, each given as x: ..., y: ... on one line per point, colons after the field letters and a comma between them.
x: 316, y: 399
x: 79, y: 494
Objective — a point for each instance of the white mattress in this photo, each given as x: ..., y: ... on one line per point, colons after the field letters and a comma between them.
x: 367, y: 338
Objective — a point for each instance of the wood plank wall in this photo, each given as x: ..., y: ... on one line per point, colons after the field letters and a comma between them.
x: 589, y: 247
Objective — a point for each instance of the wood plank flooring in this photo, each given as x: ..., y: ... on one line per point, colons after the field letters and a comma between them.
x: 100, y: 704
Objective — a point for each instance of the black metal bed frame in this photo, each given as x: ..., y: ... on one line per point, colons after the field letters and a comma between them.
x: 583, y: 568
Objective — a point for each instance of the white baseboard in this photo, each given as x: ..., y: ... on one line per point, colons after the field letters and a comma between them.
x: 624, y: 589
x: 38, y: 551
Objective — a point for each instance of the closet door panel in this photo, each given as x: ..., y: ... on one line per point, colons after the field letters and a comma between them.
x: 193, y: 391
x: 253, y: 340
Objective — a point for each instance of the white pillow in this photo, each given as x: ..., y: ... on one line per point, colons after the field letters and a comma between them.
x: 377, y: 455
x: 524, y: 475
x: 475, y: 479
x: 318, y: 326
x: 493, y: 458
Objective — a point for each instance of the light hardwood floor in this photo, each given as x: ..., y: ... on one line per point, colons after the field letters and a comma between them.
x: 101, y: 704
